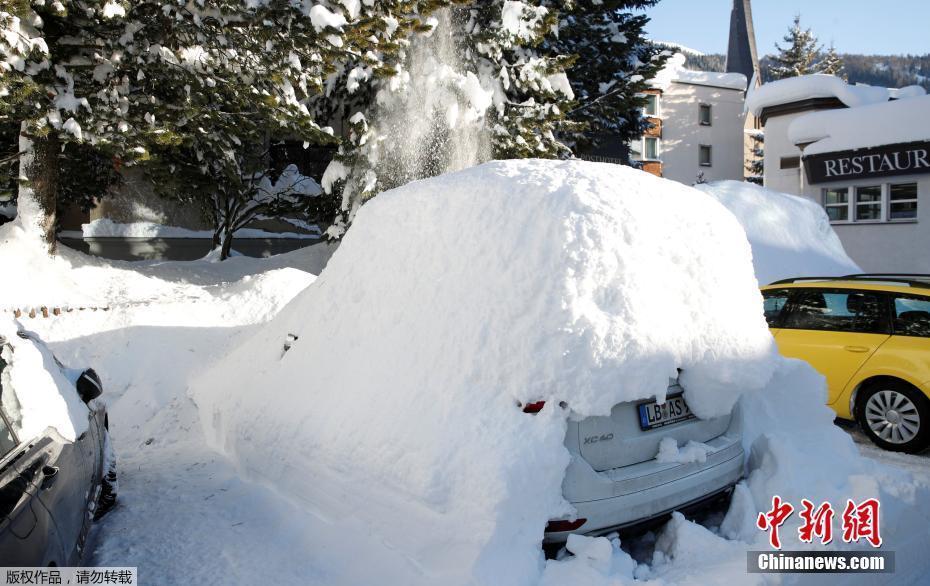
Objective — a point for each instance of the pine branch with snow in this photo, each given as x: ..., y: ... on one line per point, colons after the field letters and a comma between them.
x: 612, y: 67
x: 831, y: 63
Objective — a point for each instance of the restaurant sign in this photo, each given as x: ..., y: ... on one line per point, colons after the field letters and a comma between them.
x: 898, y: 159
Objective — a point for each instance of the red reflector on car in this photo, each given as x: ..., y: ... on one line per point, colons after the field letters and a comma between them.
x: 560, y: 526
x: 534, y: 407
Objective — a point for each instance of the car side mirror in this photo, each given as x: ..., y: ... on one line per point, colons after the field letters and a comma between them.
x: 89, y: 386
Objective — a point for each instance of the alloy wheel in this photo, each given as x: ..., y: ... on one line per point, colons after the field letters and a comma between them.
x: 892, y: 416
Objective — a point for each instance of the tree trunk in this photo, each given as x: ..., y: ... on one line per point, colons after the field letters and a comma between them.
x: 42, y: 177
x: 227, y: 245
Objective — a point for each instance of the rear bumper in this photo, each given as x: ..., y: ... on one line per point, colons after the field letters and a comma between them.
x: 650, y: 490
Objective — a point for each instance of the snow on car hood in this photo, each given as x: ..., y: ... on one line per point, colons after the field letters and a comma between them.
x: 44, y: 396
x: 453, y: 300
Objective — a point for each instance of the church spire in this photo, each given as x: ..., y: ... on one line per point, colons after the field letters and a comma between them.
x: 741, y: 53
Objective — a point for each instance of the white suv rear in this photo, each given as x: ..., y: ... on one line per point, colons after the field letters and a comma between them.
x: 614, y: 478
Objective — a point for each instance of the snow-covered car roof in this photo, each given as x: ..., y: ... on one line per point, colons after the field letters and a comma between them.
x: 44, y: 390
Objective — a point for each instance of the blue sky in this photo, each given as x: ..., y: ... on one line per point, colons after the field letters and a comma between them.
x: 854, y: 26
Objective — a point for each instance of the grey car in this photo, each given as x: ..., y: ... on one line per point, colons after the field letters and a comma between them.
x: 51, y: 489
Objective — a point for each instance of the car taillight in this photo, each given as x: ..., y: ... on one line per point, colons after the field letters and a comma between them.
x: 561, y: 526
x: 534, y: 407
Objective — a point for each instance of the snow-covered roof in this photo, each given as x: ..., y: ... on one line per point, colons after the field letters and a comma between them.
x: 675, y: 72
x: 891, y: 122
x: 806, y: 87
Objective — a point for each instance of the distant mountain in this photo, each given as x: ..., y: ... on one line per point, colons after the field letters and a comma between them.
x: 880, y: 70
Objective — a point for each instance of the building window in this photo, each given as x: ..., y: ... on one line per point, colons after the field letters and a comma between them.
x: 705, y: 156
x: 704, y: 115
x: 836, y: 202
x: 869, y: 203
x: 652, y: 105
x: 651, y: 148
x: 895, y: 202
x: 902, y: 204
x: 790, y: 163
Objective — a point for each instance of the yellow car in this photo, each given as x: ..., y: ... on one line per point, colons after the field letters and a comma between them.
x: 869, y: 335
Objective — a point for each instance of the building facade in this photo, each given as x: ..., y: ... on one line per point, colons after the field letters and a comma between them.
x: 863, y: 153
x: 696, y: 125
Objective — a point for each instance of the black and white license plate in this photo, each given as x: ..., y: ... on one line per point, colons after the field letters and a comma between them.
x: 653, y: 415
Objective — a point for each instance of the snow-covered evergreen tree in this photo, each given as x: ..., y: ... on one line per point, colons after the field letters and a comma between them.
x: 55, y: 88
x: 204, y: 82
x: 800, y: 54
x: 831, y: 63
x: 613, y: 67
x: 756, y: 164
x: 490, y: 79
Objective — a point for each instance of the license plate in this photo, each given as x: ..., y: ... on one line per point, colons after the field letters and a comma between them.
x: 653, y: 415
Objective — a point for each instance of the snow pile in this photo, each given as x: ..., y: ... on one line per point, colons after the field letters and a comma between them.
x: 693, y: 451
x: 790, y: 236
x: 675, y: 71
x: 44, y: 396
x: 805, y: 87
x: 74, y: 280
x: 895, y: 122
x: 389, y: 390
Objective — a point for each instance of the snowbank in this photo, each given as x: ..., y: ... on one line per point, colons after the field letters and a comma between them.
x: 44, y: 397
x: 75, y: 280
x: 805, y: 87
x: 894, y: 122
x: 790, y: 236
x: 388, y: 391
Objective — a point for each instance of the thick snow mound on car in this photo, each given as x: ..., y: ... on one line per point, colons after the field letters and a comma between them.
x: 396, y: 377
x: 44, y: 396
x: 790, y: 236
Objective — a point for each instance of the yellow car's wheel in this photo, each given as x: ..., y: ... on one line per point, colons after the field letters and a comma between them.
x: 895, y: 416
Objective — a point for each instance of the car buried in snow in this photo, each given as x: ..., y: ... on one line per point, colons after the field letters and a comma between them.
x: 615, y: 480
x: 51, y: 487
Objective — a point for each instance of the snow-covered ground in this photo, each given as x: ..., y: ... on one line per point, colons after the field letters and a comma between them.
x: 187, y: 514
x: 916, y: 464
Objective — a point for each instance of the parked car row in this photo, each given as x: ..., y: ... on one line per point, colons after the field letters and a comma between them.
x: 869, y: 335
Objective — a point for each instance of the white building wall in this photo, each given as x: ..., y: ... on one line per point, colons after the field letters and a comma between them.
x: 888, y: 246
x: 777, y: 146
x: 682, y: 133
